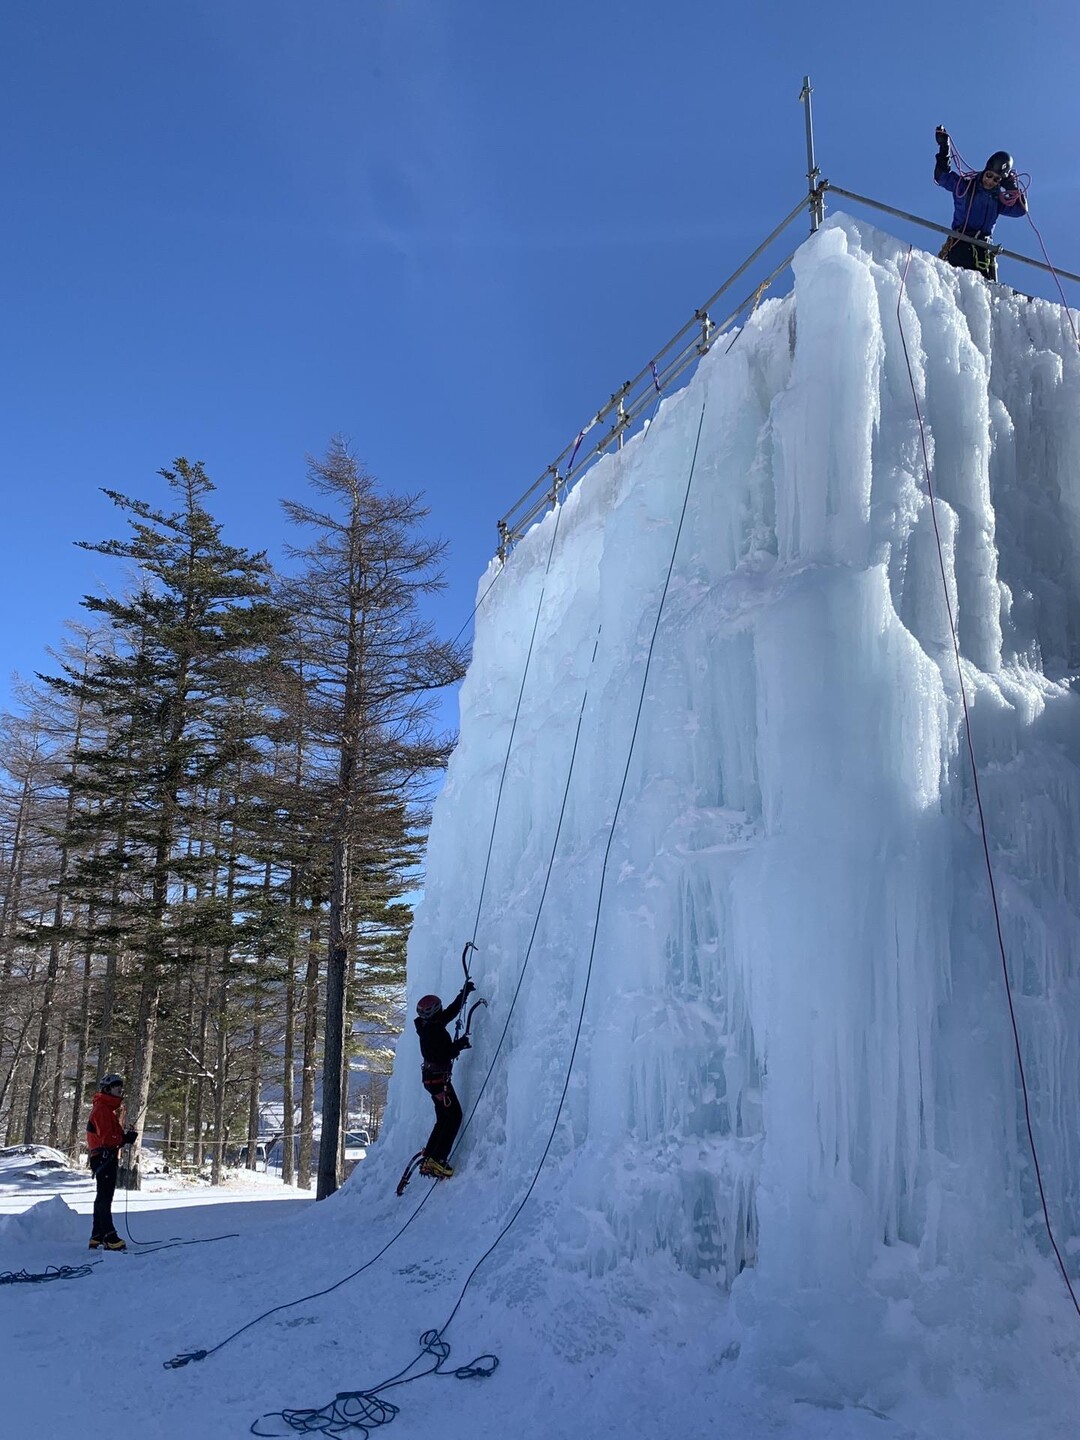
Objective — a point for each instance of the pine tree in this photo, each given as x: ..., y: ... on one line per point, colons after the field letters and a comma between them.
x: 192, y: 638
x: 374, y: 666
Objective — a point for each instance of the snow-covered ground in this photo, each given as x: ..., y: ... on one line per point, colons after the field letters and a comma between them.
x: 749, y: 1156
x: 642, y: 1350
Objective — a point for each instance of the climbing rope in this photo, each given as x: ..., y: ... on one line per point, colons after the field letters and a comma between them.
x: 539, y: 909
x: 362, y: 1410
x: 335, y: 1418
x: 172, y: 1242
x: 514, y: 725
x: 1057, y: 280
x: 979, y: 804
x: 187, y: 1356
x: 476, y: 607
x: 51, y: 1272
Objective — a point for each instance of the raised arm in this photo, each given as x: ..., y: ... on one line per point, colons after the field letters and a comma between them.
x: 941, y: 159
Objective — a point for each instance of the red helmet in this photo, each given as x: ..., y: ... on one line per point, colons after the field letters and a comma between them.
x: 427, y: 1006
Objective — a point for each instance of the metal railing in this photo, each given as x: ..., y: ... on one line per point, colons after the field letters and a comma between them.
x: 952, y: 234
x: 695, y: 339
x: 685, y: 348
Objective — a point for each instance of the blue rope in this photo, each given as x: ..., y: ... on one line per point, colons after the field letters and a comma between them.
x: 51, y: 1272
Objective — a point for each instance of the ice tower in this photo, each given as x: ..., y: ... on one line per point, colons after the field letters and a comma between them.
x: 794, y: 1081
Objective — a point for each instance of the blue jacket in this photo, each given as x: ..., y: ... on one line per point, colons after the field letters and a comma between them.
x: 975, y: 210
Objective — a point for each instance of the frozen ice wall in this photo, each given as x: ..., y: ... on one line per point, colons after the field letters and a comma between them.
x: 795, y: 1056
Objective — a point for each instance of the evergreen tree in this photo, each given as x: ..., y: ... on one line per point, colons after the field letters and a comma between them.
x: 192, y: 639
x: 373, y: 668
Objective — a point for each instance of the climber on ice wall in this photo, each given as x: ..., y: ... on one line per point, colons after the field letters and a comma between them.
x: 979, y: 198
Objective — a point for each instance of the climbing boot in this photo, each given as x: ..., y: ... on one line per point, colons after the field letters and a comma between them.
x: 436, y: 1169
x: 113, y: 1242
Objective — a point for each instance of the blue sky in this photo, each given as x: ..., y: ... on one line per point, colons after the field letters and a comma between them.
x: 446, y: 229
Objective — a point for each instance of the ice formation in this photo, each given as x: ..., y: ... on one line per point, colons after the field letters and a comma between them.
x: 795, y: 1061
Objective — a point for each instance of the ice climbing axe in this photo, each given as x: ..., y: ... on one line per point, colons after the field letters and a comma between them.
x: 465, y: 966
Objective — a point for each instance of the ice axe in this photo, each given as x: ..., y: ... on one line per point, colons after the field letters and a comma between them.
x: 465, y: 966
x: 465, y: 957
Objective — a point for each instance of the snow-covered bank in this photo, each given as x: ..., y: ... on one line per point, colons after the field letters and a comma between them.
x: 789, y: 1192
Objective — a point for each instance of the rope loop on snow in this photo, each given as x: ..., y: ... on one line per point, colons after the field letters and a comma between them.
x: 363, y: 1410
x: 349, y: 1410
x: 51, y: 1272
x: 432, y: 1343
x: 184, y: 1358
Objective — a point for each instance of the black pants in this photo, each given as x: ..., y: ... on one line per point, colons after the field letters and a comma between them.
x: 966, y: 256
x: 104, y: 1167
x: 447, y: 1122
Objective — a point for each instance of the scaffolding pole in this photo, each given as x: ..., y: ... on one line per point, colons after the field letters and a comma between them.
x: 816, y: 195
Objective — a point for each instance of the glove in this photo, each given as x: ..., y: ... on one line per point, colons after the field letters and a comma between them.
x: 130, y: 1137
x: 941, y: 135
x: 463, y: 1044
x: 468, y: 988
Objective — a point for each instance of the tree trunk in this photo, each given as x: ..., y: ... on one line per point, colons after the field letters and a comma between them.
x: 311, y: 1050
x: 83, y: 1044
x: 58, y: 1085
x: 288, y: 1102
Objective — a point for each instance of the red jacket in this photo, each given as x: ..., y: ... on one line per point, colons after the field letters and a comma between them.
x: 105, y: 1127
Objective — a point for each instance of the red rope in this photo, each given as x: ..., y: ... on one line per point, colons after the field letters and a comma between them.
x: 1057, y: 282
x: 979, y: 805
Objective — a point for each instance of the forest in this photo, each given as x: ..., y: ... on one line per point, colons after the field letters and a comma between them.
x: 213, y: 811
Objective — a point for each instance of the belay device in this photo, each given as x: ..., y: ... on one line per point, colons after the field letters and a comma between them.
x: 407, y: 1173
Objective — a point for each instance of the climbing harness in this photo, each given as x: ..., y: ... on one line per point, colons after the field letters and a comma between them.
x: 978, y: 802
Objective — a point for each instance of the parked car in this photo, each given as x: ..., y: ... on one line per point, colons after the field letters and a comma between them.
x: 356, y: 1148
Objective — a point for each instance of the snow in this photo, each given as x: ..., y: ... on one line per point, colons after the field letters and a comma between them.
x: 788, y: 1190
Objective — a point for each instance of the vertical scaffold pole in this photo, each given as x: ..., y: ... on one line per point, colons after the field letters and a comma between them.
x: 816, y: 199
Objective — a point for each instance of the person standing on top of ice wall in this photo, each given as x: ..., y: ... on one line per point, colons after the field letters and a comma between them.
x: 439, y: 1053
x: 105, y: 1136
x: 978, y: 200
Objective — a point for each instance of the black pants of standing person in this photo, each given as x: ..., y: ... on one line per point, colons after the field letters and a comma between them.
x: 447, y: 1122
x: 966, y: 256
x: 105, y: 1165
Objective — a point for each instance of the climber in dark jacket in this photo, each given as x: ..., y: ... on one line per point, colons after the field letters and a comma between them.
x: 978, y: 201
x: 439, y: 1053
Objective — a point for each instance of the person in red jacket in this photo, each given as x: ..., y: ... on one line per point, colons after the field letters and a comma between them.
x: 105, y: 1137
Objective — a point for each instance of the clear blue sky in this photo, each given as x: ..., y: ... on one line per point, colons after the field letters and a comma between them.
x: 447, y: 229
